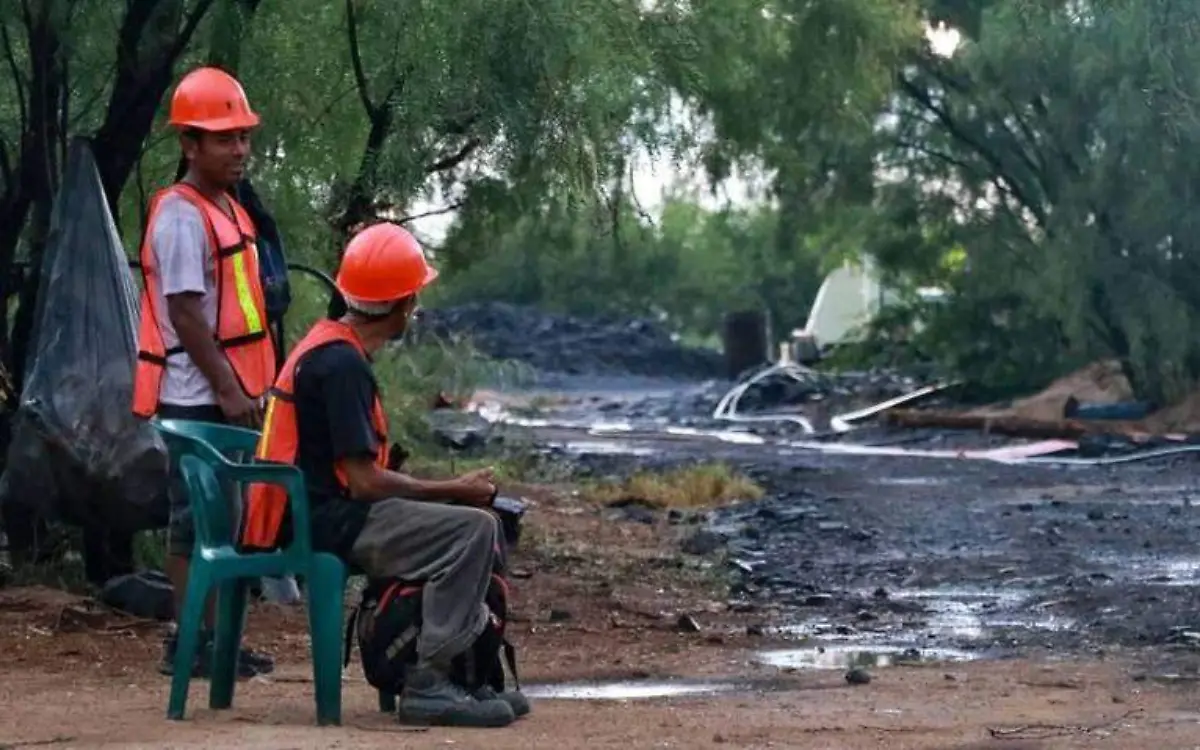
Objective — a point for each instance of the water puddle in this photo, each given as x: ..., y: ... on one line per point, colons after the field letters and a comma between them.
x: 912, y: 481
x: 602, y: 448
x: 849, y: 657
x: 951, y: 615
x: 629, y: 690
x: 960, y: 612
x: 725, y: 436
x: 1166, y: 571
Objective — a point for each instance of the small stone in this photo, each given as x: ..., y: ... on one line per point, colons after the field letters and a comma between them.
x: 559, y: 615
x: 755, y: 630
x: 703, y: 542
x: 880, y: 593
x: 687, y: 624
x: 858, y: 676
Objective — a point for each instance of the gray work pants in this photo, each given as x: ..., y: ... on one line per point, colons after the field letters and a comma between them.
x: 448, y: 548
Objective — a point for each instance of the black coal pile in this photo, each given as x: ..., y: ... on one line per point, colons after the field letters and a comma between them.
x: 564, y: 344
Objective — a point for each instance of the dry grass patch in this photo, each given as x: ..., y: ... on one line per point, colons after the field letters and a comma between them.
x: 699, y: 486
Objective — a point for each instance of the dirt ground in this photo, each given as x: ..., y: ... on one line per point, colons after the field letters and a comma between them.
x: 596, y: 599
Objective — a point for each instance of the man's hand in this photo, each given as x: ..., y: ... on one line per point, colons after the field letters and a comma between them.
x: 239, y: 408
x: 477, y: 487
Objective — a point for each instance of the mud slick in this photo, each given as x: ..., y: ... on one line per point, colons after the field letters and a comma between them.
x: 898, y: 559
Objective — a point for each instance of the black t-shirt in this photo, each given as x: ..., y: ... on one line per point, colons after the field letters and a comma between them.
x: 334, y: 395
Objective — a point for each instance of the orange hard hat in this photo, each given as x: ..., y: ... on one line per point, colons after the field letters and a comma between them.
x: 383, y: 263
x: 211, y: 99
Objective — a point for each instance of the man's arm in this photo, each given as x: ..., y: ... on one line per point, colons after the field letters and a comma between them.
x: 369, y: 482
x: 348, y: 391
x: 180, y: 242
x: 186, y: 312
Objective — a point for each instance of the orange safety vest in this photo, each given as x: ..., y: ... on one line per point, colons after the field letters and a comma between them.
x: 241, y: 330
x: 266, y: 504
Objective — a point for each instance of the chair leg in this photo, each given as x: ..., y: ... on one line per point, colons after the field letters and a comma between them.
x: 326, y: 588
x: 230, y: 620
x: 187, y: 637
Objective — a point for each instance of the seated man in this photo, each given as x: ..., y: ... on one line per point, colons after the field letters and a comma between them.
x: 325, y: 416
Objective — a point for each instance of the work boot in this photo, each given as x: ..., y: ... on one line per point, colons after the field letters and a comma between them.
x: 515, y: 699
x: 430, y: 698
x: 250, y: 663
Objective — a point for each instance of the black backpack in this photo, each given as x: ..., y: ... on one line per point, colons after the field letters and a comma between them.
x: 386, y: 624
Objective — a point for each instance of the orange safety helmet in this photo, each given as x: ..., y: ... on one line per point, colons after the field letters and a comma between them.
x: 383, y: 263
x: 211, y: 99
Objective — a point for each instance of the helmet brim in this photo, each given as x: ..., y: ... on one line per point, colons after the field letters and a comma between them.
x: 220, y: 124
x: 431, y: 275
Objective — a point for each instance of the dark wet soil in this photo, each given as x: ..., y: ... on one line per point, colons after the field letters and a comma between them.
x: 965, y: 557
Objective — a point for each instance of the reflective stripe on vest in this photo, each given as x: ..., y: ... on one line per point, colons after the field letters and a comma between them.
x: 241, y: 331
x: 266, y: 504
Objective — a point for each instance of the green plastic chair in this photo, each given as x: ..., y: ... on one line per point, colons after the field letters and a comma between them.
x: 198, y: 449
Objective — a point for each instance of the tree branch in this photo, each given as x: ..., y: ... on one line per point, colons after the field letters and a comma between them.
x: 955, y: 130
x: 450, y: 161
x: 18, y: 79
x: 436, y: 212
x: 5, y: 163
x: 360, y: 75
x: 189, y: 28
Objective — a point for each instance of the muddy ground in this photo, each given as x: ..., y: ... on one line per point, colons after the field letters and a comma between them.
x: 990, y: 605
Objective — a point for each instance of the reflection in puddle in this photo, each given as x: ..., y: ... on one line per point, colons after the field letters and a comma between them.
x: 725, y: 436
x: 606, y: 428
x: 911, y: 481
x: 960, y: 612
x: 847, y: 657
x: 624, y: 690
x: 952, y: 613
x: 1165, y: 571
x: 602, y: 447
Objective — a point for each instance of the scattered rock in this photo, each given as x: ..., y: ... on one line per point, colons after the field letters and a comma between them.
x: 687, y: 624
x: 559, y: 615
x: 858, y: 676
x: 703, y: 542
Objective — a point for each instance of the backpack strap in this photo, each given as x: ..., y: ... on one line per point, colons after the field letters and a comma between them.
x: 510, y: 657
x: 349, y: 636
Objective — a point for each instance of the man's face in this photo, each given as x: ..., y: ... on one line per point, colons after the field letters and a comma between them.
x: 219, y: 157
x: 401, y: 316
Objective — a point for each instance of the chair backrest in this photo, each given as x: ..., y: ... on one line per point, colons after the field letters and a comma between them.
x: 212, y: 511
x: 215, y: 499
x: 229, y: 440
x: 215, y: 481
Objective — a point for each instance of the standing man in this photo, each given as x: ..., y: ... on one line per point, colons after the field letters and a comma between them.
x: 204, y: 352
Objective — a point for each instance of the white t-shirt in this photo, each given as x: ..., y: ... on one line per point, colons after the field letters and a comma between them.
x: 185, y: 264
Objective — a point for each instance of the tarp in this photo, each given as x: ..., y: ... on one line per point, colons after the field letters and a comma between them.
x: 78, y: 454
